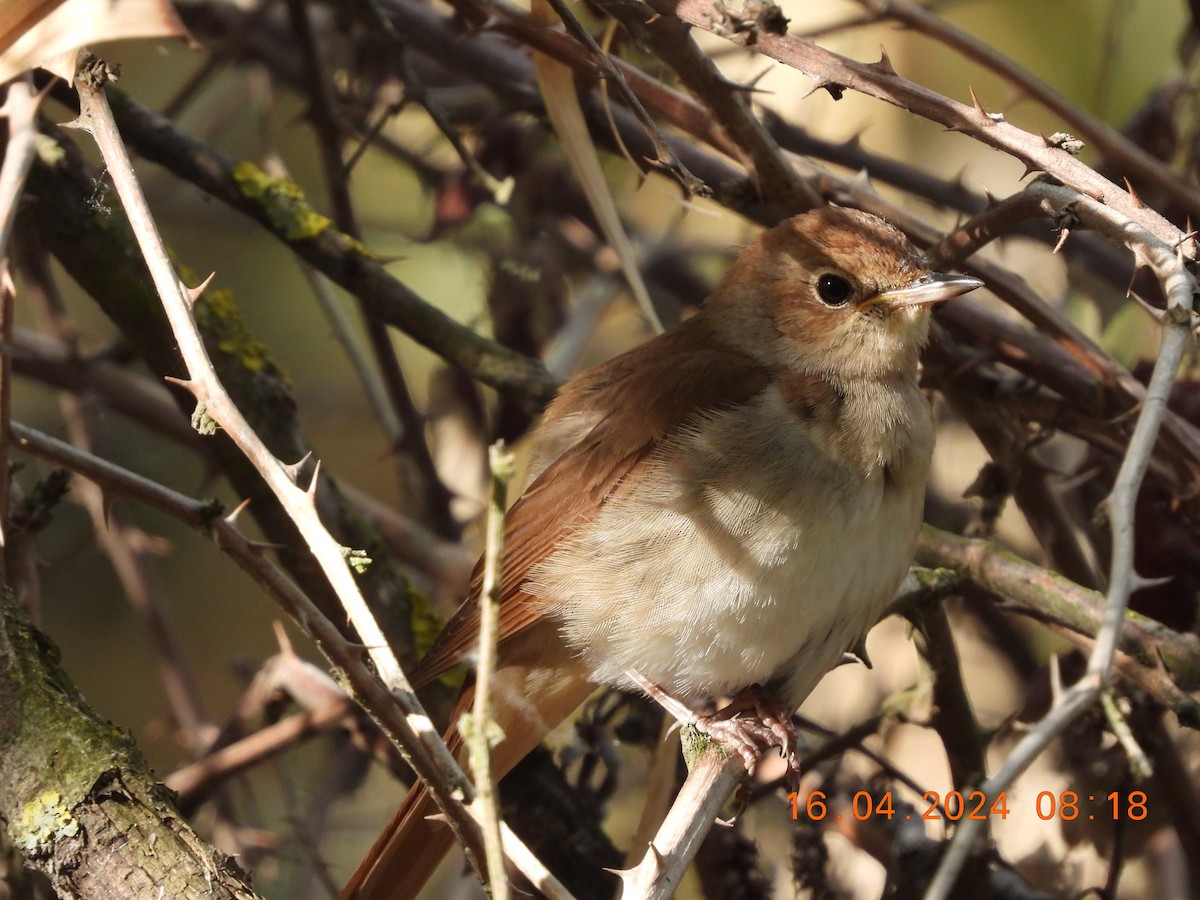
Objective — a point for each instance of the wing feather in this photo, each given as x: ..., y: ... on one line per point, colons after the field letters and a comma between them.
x: 692, y: 373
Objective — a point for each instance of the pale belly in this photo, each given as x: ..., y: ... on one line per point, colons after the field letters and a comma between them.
x: 755, y: 558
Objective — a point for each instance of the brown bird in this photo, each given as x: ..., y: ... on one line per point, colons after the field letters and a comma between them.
x: 731, y: 504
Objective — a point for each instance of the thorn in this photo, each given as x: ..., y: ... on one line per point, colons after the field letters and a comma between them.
x: 106, y: 502
x: 1159, y: 315
x: 991, y: 198
x: 1030, y: 169
x: 986, y: 117
x: 1137, y: 582
x: 860, y: 651
x: 884, y: 65
x: 231, y: 519
x: 79, y: 124
x: 863, y: 177
x: 262, y: 548
x: 835, y: 90
x: 1137, y: 201
x: 293, y: 471
x: 191, y: 295
x: 285, y: 642
x: 1056, y: 686
x: 1063, y: 234
x: 978, y: 106
x: 751, y: 86
x: 657, y: 856
x: 312, y: 485
x: 186, y: 383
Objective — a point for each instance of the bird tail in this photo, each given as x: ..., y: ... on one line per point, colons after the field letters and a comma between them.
x: 410, y: 849
x: 398, y: 866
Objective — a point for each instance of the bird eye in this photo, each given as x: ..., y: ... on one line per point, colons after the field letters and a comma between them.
x: 833, y: 290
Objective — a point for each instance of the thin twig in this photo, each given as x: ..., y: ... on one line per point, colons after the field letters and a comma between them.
x: 1050, y: 597
x: 279, y: 206
x: 410, y: 727
x: 778, y: 179
x: 408, y: 437
x: 129, y: 551
x: 479, y: 734
x: 1180, y: 288
x: 667, y: 159
x: 198, y: 778
x: 710, y: 782
x: 880, y: 80
x: 20, y: 109
x: 391, y: 709
x: 1117, y: 150
x: 1139, y: 763
x: 415, y: 90
x: 215, y: 405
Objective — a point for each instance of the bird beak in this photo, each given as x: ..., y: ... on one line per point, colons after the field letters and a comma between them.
x: 930, y: 288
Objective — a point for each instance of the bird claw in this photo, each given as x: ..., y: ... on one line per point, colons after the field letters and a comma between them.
x: 749, y: 738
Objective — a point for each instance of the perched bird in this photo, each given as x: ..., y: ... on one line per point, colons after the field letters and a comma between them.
x: 731, y: 504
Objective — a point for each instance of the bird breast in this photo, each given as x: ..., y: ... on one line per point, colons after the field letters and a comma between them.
x: 759, y: 541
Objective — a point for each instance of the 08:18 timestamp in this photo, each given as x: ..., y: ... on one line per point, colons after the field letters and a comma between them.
x: 1065, y: 805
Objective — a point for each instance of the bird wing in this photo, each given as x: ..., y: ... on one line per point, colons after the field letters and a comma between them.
x: 692, y: 373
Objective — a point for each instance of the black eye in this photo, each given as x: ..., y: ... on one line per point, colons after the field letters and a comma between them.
x: 833, y: 289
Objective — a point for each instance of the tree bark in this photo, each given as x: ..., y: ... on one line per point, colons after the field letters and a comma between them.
x: 74, y: 790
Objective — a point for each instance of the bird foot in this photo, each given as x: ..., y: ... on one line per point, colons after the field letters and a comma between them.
x: 747, y: 736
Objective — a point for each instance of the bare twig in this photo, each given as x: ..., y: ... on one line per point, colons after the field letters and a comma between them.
x: 1139, y: 763
x: 1180, y: 289
x: 20, y: 109
x: 479, y: 732
x: 879, y: 80
x: 778, y: 178
x: 666, y: 158
x: 387, y: 707
x: 196, y: 779
x: 398, y: 709
x: 712, y: 778
x: 414, y: 90
x: 279, y: 206
x: 1117, y: 150
x: 418, y: 739
x: 1050, y: 597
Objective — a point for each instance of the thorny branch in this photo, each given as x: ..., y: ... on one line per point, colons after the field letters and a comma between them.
x: 1080, y: 387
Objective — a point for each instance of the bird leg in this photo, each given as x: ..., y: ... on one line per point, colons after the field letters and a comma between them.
x: 748, y: 737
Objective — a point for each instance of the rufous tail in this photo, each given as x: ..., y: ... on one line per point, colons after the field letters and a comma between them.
x: 408, y: 852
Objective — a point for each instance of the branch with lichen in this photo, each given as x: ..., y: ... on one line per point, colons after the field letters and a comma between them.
x: 73, y: 788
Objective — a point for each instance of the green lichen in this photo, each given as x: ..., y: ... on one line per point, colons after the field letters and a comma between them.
x: 204, y: 424
x: 282, y: 201
x: 695, y: 744
x: 426, y: 625
x: 358, y: 560
x: 218, y: 316
x: 44, y: 820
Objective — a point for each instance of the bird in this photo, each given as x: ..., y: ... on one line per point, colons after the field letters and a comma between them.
x: 723, y: 511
